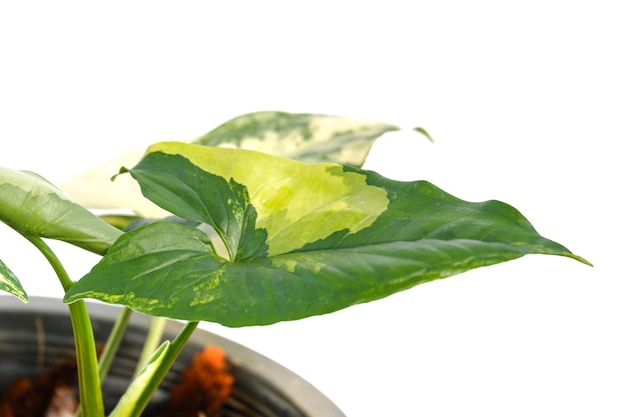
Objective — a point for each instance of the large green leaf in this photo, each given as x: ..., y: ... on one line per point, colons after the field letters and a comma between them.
x: 302, y: 136
x: 302, y: 239
x: 34, y: 207
x: 10, y: 283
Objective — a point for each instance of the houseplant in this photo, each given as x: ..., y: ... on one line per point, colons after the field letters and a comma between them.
x: 257, y: 238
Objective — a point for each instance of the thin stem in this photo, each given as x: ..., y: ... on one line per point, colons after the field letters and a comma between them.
x: 52, y: 259
x: 176, y: 347
x: 147, y: 391
x: 113, y: 342
x: 91, y: 403
x: 153, y: 340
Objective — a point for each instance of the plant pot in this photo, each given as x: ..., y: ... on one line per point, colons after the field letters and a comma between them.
x: 36, y: 335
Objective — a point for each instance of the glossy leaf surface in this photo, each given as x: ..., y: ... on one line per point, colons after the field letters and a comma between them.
x: 302, y: 239
x: 34, y: 207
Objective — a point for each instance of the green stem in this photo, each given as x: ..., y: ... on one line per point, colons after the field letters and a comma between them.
x: 113, y: 342
x: 136, y: 399
x: 52, y: 259
x: 170, y: 357
x: 153, y: 340
x: 91, y: 403
x: 176, y: 346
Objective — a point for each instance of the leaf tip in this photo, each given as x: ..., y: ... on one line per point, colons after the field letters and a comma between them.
x: 583, y: 260
x: 123, y: 170
x: 424, y: 132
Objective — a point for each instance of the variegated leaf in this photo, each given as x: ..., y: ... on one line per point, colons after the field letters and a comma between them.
x: 302, y: 239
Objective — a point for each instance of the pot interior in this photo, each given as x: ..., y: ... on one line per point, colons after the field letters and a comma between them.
x: 36, y: 336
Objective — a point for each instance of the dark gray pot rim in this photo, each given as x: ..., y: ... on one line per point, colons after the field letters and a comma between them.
x: 277, y: 379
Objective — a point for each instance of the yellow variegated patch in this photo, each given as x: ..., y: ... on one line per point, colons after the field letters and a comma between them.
x: 296, y: 203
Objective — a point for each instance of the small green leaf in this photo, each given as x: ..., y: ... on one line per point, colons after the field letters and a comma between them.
x: 34, y: 207
x: 10, y: 283
x: 343, y: 236
x: 301, y: 136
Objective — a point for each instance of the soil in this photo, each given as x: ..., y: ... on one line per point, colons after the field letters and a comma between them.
x: 203, y: 388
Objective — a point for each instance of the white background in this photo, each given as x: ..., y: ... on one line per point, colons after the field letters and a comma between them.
x: 525, y: 100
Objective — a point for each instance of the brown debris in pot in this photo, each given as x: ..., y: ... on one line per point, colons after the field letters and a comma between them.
x: 31, y: 398
x: 204, y: 386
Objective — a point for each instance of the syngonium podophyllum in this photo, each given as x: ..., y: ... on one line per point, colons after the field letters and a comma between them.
x: 293, y: 239
x: 300, y: 239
